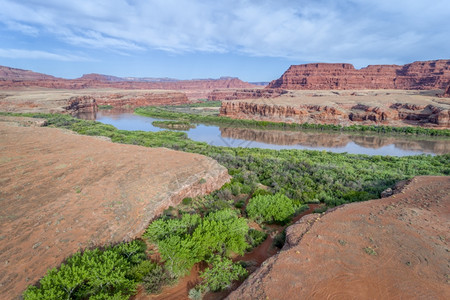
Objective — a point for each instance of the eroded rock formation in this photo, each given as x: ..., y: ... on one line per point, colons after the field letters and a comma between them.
x: 388, y: 248
x: 323, y: 76
x: 62, y: 192
x: 372, y: 107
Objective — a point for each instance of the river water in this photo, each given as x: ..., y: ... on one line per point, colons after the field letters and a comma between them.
x: 354, y: 143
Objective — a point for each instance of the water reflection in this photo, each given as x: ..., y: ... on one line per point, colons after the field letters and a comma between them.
x: 371, y: 144
x: 314, y: 139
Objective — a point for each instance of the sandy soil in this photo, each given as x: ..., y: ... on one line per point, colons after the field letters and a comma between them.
x: 60, y: 192
x: 392, y: 248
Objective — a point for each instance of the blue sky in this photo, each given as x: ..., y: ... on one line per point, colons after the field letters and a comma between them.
x: 255, y: 40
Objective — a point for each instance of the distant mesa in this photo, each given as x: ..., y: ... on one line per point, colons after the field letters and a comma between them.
x: 11, y: 78
x: 419, y: 75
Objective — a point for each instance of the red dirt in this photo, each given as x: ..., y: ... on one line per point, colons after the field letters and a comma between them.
x: 391, y: 248
x: 61, y: 192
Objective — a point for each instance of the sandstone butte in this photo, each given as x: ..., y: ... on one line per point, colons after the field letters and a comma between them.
x: 390, y: 248
x: 433, y: 74
x: 12, y: 79
x: 61, y: 192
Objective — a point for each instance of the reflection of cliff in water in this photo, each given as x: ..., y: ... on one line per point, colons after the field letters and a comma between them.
x: 337, y: 140
x: 114, y: 113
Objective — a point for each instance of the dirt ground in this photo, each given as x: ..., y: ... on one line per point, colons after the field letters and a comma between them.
x: 61, y: 192
x: 391, y: 248
x: 348, y: 98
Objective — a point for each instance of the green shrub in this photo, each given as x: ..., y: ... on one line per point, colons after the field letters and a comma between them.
x: 256, y: 237
x: 98, y: 274
x: 138, y: 272
x: 270, y: 208
x: 221, y: 273
x: 239, y: 204
x: 195, y: 293
x: 187, y: 201
x: 155, y: 279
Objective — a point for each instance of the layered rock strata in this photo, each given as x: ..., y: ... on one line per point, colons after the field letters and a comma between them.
x: 390, y: 248
x: 62, y: 192
x: 359, y: 107
x: 330, y: 76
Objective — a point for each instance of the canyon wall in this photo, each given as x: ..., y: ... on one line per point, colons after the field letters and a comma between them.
x: 397, y: 114
x: 328, y: 76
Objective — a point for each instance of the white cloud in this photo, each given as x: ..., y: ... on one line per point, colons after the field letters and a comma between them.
x: 35, y: 54
x: 321, y: 30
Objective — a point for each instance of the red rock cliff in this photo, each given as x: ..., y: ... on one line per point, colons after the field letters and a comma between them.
x: 397, y: 114
x: 322, y: 76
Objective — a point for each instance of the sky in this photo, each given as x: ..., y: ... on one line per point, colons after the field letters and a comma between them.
x: 255, y: 40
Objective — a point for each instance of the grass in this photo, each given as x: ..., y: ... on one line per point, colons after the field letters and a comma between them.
x: 105, y: 106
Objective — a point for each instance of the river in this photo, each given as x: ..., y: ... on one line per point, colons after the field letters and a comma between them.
x: 354, y: 143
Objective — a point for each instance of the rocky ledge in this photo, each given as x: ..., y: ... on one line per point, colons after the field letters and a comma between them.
x: 391, y: 248
x: 393, y: 108
x: 62, y: 192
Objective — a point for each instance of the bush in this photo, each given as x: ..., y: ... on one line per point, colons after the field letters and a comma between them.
x: 138, y: 272
x: 154, y: 281
x: 270, y: 208
x: 191, y: 239
x: 221, y: 273
x: 96, y: 274
x: 187, y: 201
x: 195, y: 293
x: 256, y: 237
